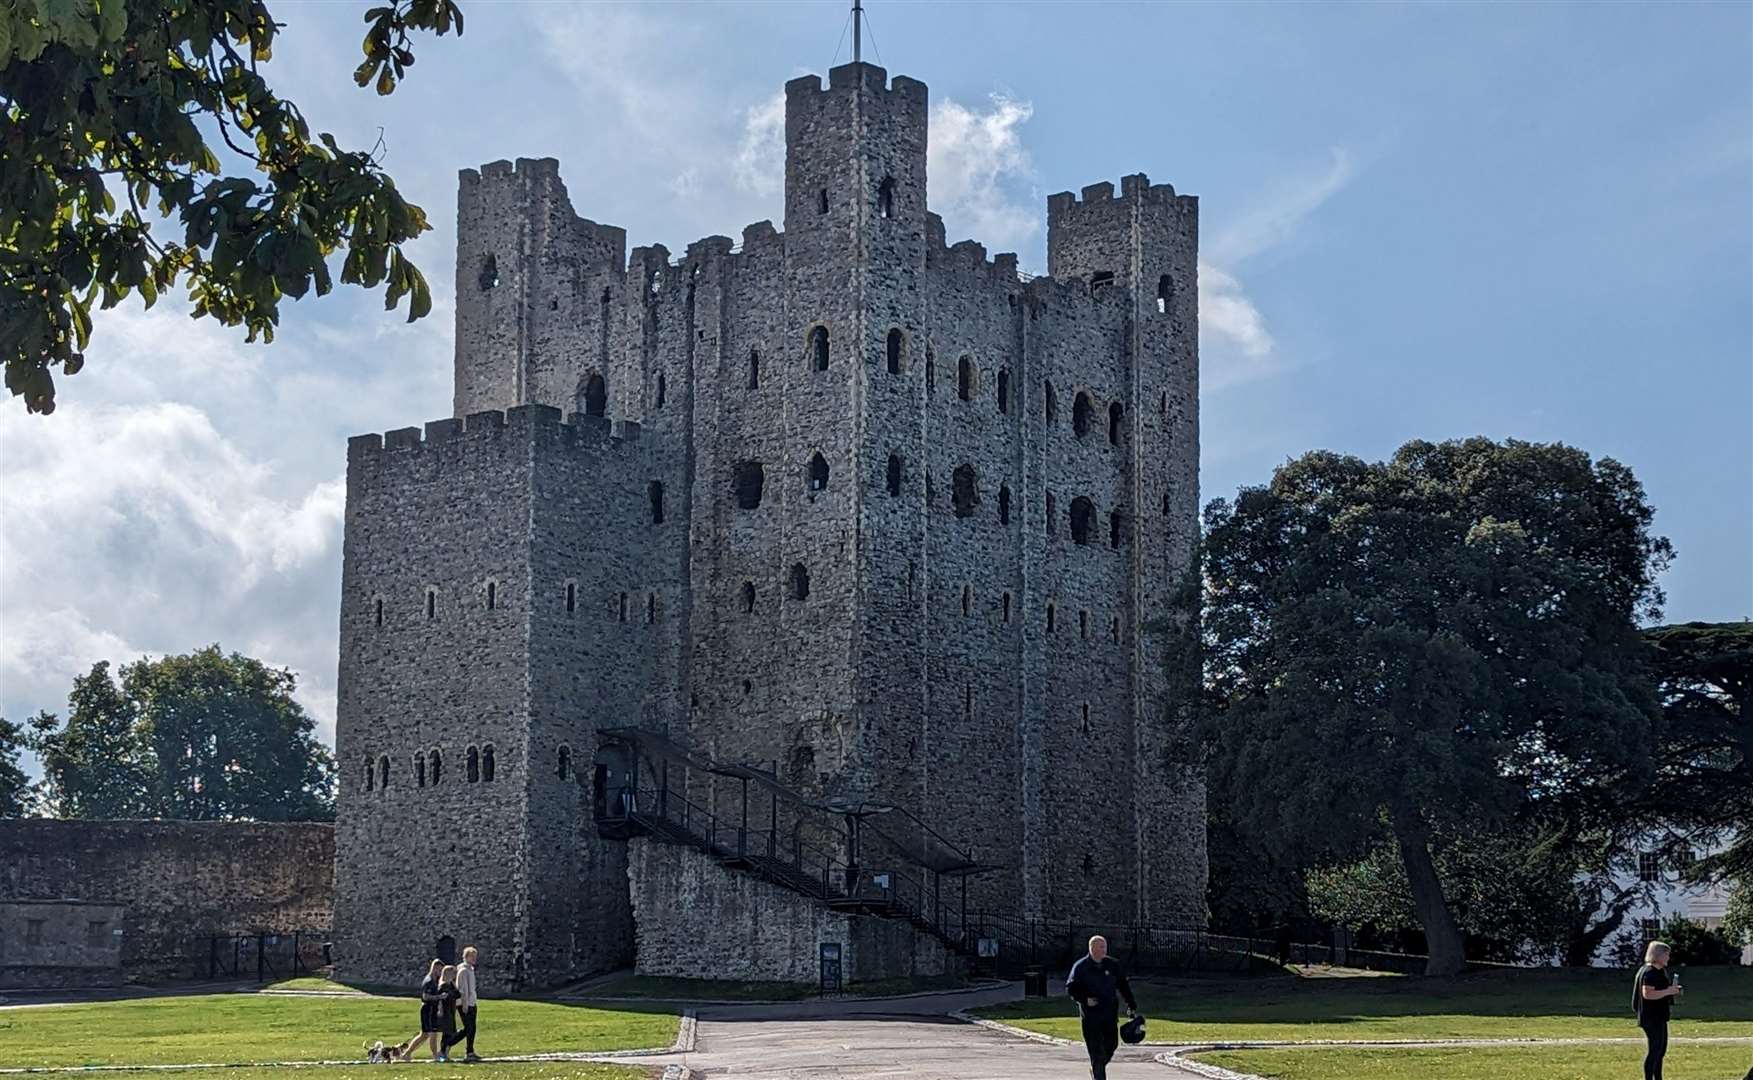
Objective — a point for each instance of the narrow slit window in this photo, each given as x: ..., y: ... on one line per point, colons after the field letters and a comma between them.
x: 886, y: 197
x: 1006, y: 607
x: 563, y: 767
x: 748, y: 597
x: 1116, y: 530
x: 819, y: 348
x: 967, y: 599
x: 1083, y: 624
x: 487, y: 764
x: 822, y: 201
x: 1086, y: 731
x: 1052, y: 618
x: 1083, y: 514
x: 431, y: 604
x: 489, y: 276
x: 967, y: 700
x: 378, y: 604
x: 474, y: 765
x: 662, y: 389
x: 1004, y: 504
x: 894, y: 475
x: 383, y: 772
x: 1114, y: 628
x: 419, y: 771
x: 650, y: 608
x: 655, y: 493
x: 595, y: 396
x: 1165, y: 504
x: 623, y: 607
x: 930, y: 374
x: 1165, y: 293
x: 492, y: 595
x: 818, y: 472
x: 754, y: 370
x: 800, y: 582
x: 571, y: 598
x: 1003, y: 391
x: 894, y: 346
x: 965, y: 379
x: 370, y: 774
x: 1115, y: 414
x: 435, y: 766
x: 1080, y: 414
x: 967, y: 490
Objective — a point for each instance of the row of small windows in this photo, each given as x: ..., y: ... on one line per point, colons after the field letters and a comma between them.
x: 428, y: 768
x: 651, y: 605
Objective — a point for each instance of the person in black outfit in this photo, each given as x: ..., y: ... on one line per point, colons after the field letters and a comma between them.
x: 1097, y: 984
x: 448, y: 996
x: 428, y: 1013
x: 1654, y: 999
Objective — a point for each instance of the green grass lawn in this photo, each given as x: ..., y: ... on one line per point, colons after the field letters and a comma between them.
x: 314, y: 982
x: 260, y: 1027
x: 672, y: 989
x: 547, y: 1070
x: 1696, y: 1062
x: 1544, y: 1003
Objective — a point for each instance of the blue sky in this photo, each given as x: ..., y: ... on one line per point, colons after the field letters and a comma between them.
x: 1421, y: 221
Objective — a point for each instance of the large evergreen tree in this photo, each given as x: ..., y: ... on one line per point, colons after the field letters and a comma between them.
x: 15, y: 793
x: 1436, y: 640
x: 1705, y: 677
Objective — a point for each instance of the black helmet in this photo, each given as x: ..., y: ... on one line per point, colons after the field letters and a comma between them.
x: 1132, y: 1031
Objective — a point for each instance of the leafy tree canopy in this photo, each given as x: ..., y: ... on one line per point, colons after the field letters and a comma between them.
x: 205, y: 736
x: 1442, y: 638
x: 129, y: 130
x: 1705, y: 674
x: 15, y: 789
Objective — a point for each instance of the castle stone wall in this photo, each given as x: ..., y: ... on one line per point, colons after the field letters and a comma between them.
x: 174, y: 882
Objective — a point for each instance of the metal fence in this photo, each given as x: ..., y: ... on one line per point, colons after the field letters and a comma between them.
x: 268, y: 957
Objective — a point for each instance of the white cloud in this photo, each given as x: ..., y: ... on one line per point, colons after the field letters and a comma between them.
x: 1226, y: 313
x: 1274, y: 219
x: 760, y: 159
x: 975, y: 162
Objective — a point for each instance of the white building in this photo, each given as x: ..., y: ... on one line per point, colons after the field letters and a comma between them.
x: 1663, y: 871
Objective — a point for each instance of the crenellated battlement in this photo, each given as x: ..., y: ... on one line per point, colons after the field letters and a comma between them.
x: 1134, y: 188
x: 492, y: 427
x: 856, y: 76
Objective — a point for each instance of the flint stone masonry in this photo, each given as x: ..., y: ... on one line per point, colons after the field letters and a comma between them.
x: 60, y: 943
x: 174, y: 884
x: 508, y: 581
x: 692, y: 915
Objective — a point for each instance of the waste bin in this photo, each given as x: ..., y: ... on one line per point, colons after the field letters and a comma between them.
x: 1034, y: 983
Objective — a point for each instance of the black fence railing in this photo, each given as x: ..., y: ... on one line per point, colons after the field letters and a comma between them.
x: 268, y: 957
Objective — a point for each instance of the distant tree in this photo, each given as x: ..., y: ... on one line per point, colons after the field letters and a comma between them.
x: 139, y: 101
x: 1695, y: 943
x: 1738, y: 917
x: 1705, y: 762
x: 1440, y: 639
x: 202, y: 736
x: 15, y: 788
x: 94, y: 765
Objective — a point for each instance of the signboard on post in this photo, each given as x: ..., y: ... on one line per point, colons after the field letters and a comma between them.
x: 830, y: 960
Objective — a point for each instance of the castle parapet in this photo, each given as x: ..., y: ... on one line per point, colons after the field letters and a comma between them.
x: 491, y: 427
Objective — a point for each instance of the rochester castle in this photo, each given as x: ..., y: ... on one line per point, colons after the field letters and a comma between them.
x: 794, y: 592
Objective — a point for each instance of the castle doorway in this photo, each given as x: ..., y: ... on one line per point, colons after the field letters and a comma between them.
x: 446, y: 949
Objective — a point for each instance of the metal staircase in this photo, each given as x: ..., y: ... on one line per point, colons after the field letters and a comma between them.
x: 865, y: 858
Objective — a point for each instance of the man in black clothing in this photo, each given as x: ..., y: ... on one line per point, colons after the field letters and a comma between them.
x: 1097, y: 984
x: 1654, y: 1000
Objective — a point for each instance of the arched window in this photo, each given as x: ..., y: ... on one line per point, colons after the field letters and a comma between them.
x: 1004, y: 390
x: 967, y: 490
x: 1080, y: 414
x: 435, y: 766
x: 655, y: 493
x: 623, y: 607
x: 1116, y: 529
x: 965, y: 379
x: 419, y: 770
x: 748, y: 597
x: 662, y: 389
x: 489, y: 276
x: 819, y: 347
x: 383, y: 772
x: 1165, y: 293
x: 1049, y: 402
x: 886, y: 197
x: 571, y: 597
x: 370, y: 773
x: 474, y: 765
x: 492, y: 595
x: 754, y: 369
x: 1004, y: 504
x: 1052, y: 515
x: 895, y: 344
x: 378, y: 604
x: 894, y: 477
x: 563, y: 769
x: 487, y: 764
x: 1115, y: 414
x: 818, y: 472
x: 594, y: 398
x: 967, y: 599
x: 1083, y: 515
x: 800, y: 582
x: 822, y: 201
x: 750, y: 480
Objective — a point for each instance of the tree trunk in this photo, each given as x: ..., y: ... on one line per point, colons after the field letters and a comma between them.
x: 1440, y: 932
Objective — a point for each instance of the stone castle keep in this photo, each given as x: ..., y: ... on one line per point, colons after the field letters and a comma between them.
x: 842, y: 515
